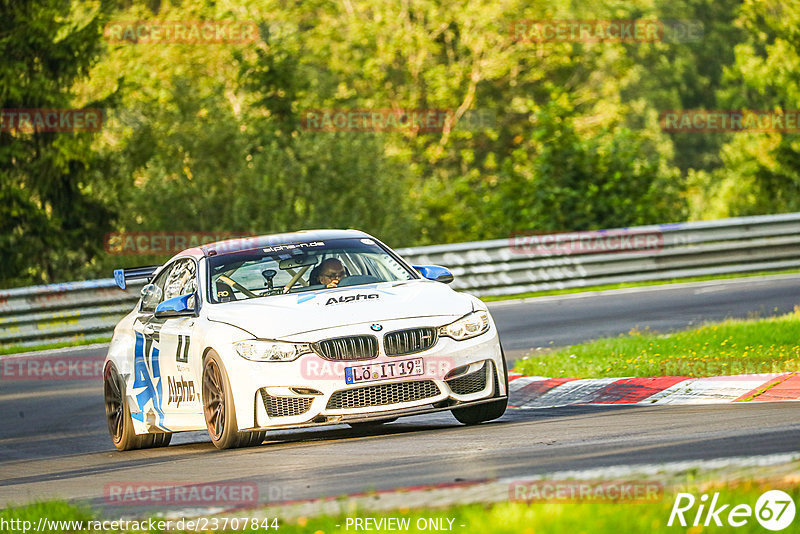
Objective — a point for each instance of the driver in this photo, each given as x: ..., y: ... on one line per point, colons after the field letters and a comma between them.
x: 330, y: 272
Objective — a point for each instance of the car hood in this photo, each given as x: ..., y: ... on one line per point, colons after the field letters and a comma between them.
x: 282, y: 316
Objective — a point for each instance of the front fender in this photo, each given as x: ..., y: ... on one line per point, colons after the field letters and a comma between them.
x: 220, y: 338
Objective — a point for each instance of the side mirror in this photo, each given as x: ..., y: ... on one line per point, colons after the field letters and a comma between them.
x: 435, y: 272
x: 182, y: 306
x: 151, y: 296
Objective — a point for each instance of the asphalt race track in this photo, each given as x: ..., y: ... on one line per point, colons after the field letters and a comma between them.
x: 569, y: 319
x: 54, y: 443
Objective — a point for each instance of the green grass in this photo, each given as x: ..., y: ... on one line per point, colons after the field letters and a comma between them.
x: 732, y: 347
x: 16, y: 349
x: 633, y: 284
x: 554, y: 518
x: 55, y: 510
x: 509, y: 517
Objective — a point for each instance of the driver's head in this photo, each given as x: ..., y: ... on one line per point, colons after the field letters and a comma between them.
x: 331, y: 270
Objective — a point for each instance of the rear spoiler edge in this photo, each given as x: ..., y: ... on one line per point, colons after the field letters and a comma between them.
x: 121, y: 276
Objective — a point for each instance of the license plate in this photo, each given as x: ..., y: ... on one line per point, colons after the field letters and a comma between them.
x: 383, y: 371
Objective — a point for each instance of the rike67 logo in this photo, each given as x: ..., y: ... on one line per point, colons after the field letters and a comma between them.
x: 774, y: 510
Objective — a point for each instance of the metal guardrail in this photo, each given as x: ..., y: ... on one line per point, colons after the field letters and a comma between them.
x: 90, y: 309
x: 59, y: 312
x: 725, y: 246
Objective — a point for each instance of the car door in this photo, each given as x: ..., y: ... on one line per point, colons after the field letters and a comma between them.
x: 162, y: 382
x: 182, y: 394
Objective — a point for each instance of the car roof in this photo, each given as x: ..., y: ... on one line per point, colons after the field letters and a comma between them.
x: 246, y: 243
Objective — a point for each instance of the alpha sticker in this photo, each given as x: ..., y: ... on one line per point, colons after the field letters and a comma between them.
x: 352, y: 298
x: 180, y: 391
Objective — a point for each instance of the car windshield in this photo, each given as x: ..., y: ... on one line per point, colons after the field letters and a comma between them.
x: 298, y: 267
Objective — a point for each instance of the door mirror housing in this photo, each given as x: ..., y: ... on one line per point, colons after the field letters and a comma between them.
x: 182, y: 306
x: 435, y: 272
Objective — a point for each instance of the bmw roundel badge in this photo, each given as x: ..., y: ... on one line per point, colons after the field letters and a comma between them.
x: 376, y: 327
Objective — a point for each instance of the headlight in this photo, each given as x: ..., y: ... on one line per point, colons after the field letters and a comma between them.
x: 270, y: 351
x: 474, y: 324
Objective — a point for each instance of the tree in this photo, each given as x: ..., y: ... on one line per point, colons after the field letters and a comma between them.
x: 51, y: 217
x: 562, y: 182
x: 761, y: 172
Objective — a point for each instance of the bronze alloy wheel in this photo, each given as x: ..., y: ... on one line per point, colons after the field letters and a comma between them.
x: 114, y: 409
x: 213, y: 399
x: 219, y: 410
x: 118, y: 416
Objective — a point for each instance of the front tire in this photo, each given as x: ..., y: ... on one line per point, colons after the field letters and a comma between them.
x: 473, y: 415
x: 219, y: 410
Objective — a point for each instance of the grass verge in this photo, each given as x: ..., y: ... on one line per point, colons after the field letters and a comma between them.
x: 511, y: 517
x: 731, y: 347
x: 607, y: 287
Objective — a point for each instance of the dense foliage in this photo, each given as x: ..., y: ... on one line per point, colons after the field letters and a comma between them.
x: 210, y: 136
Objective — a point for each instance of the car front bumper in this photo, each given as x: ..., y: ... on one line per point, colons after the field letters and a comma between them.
x: 312, y: 391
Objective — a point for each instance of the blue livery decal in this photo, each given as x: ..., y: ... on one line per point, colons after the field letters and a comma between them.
x: 147, y: 381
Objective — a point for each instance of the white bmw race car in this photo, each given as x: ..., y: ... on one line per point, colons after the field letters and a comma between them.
x: 296, y: 330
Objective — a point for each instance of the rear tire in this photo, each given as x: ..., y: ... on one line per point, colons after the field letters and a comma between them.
x: 118, y: 416
x: 162, y: 440
x: 219, y: 410
x: 118, y: 413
